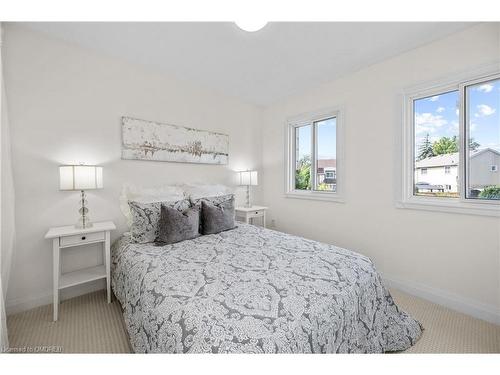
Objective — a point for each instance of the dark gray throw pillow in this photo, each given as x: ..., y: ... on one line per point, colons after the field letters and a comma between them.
x: 176, y: 226
x: 215, y: 200
x: 216, y: 219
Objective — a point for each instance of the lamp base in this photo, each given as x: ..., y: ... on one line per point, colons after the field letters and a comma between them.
x: 247, y: 203
x: 83, y: 221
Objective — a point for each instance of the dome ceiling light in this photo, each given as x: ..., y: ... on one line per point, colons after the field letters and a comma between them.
x: 251, y: 25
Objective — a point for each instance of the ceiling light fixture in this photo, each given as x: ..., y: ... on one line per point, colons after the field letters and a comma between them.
x: 251, y: 25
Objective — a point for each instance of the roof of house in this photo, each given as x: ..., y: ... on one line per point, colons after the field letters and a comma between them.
x: 438, y: 161
x: 447, y: 159
x: 327, y: 163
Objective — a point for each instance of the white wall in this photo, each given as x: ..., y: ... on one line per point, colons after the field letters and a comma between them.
x: 451, y: 258
x: 65, y: 105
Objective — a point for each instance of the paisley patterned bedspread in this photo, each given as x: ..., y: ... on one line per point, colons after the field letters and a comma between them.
x: 254, y: 290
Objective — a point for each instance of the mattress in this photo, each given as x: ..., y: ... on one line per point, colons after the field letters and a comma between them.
x: 255, y: 290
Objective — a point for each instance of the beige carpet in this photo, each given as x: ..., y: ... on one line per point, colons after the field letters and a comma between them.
x: 87, y: 324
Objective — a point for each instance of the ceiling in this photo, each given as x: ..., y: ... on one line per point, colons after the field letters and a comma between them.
x: 259, y: 67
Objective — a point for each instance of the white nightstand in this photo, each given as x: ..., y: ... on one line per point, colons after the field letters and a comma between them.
x: 69, y: 236
x: 248, y: 214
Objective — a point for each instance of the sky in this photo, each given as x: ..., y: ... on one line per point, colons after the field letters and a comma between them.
x: 327, y: 134
x: 438, y: 115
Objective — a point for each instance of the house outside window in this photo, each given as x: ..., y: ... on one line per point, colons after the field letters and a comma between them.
x: 447, y: 169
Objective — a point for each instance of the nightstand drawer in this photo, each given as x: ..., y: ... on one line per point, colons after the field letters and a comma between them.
x: 256, y: 213
x: 80, y: 239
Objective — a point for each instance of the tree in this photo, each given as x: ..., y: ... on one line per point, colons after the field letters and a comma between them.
x: 303, y: 174
x: 425, y: 149
x: 473, y: 145
x: 445, y: 145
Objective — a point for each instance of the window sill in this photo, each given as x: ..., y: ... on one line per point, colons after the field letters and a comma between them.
x: 454, y: 206
x: 315, y: 195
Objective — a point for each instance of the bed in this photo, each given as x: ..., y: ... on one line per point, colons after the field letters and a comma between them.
x: 255, y: 290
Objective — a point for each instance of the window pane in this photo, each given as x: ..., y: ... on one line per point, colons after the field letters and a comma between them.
x: 303, y: 157
x: 436, y: 145
x: 483, y: 132
x: 326, y: 154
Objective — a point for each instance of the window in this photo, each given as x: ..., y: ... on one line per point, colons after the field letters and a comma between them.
x: 452, y: 146
x: 303, y: 157
x: 482, y: 132
x: 435, y: 122
x: 313, y: 156
x: 326, y: 153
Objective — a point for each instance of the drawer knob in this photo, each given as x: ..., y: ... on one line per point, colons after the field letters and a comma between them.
x: 83, y: 238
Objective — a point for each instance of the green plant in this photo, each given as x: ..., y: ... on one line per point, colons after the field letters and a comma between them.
x: 303, y: 174
x: 490, y: 192
x: 303, y: 178
x: 323, y: 187
x: 445, y: 145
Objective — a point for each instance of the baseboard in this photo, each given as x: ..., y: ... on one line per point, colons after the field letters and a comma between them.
x: 441, y: 297
x: 22, y: 304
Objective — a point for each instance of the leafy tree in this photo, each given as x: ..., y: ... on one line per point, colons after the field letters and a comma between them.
x: 303, y: 174
x: 425, y: 149
x: 445, y: 145
x: 305, y: 161
x: 473, y: 145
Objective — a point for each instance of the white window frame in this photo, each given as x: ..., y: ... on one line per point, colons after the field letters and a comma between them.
x: 290, y: 162
x: 407, y: 198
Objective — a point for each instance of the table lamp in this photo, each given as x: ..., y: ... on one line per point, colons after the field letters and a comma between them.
x: 248, y: 178
x: 81, y: 177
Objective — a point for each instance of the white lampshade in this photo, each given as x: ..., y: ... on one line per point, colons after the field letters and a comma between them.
x: 248, y: 178
x: 80, y: 177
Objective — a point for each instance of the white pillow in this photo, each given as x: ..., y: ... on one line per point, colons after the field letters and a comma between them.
x: 166, y: 193
x: 196, y: 191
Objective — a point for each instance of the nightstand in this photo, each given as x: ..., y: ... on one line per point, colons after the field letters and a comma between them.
x: 69, y: 236
x: 248, y: 214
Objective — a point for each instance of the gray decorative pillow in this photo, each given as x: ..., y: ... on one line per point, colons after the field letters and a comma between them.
x: 146, y: 219
x: 215, y: 200
x: 216, y: 219
x: 176, y: 226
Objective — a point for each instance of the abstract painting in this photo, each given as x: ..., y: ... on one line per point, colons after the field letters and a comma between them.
x: 148, y: 140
